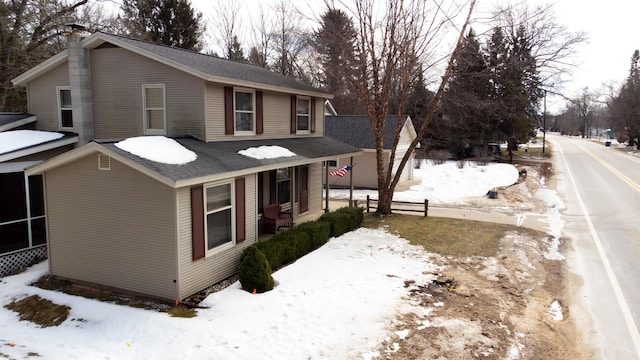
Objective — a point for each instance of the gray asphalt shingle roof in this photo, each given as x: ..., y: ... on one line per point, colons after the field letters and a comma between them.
x: 7, y: 119
x: 215, y: 66
x: 355, y: 130
x: 217, y: 158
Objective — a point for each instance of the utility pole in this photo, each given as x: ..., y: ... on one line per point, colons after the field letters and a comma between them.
x: 544, y: 121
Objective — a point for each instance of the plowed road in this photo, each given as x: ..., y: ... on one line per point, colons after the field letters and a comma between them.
x: 600, y: 187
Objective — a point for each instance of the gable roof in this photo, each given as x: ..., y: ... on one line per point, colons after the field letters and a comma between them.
x: 356, y: 130
x: 12, y: 120
x: 215, y: 160
x: 206, y: 67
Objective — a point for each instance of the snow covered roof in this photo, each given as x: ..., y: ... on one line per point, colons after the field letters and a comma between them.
x: 215, y: 160
x: 15, y: 144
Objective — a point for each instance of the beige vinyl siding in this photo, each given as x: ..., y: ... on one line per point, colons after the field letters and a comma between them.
x: 43, y: 97
x: 199, y: 274
x: 114, y: 227
x: 316, y: 176
x: 276, y: 115
x: 214, y: 112
x: 118, y: 76
x: 365, y: 174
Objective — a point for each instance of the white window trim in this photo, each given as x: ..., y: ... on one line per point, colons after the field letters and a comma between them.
x: 337, y: 166
x: 58, y: 89
x: 253, y: 106
x: 287, y: 205
x: 232, y: 243
x: 145, y: 127
x: 308, y: 131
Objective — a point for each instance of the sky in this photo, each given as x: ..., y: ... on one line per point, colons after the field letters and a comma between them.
x: 610, y: 27
x: 310, y: 314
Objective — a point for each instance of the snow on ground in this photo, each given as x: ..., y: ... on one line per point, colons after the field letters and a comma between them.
x: 19, y: 139
x: 338, y: 302
x: 446, y: 183
x: 158, y: 148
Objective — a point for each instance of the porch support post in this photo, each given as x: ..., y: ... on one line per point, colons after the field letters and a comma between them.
x: 351, y: 183
x: 326, y: 186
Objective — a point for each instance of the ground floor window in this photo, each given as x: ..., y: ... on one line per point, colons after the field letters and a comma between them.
x: 219, y: 215
x: 283, y: 180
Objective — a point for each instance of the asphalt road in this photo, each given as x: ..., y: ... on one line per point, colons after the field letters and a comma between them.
x: 600, y: 187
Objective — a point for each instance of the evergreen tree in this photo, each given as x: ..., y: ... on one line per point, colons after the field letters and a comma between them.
x: 170, y: 22
x: 625, y: 107
x: 334, y: 43
x: 235, y: 51
x: 516, y: 83
x: 256, y: 58
x: 466, y: 101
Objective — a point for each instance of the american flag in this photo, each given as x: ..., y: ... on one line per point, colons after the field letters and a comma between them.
x: 341, y: 172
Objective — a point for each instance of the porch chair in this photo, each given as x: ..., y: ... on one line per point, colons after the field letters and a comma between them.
x: 275, y: 219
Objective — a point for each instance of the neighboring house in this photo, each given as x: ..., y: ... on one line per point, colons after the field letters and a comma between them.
x: 356, y: 130
x: 141, y: 221
x: 22, y: 217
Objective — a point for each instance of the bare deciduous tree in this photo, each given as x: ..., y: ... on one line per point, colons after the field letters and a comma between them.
x: 226, y: 23
x: 263, y: 30
x: 31, y: 31
x: 550, y: 43
x: 390, y: 50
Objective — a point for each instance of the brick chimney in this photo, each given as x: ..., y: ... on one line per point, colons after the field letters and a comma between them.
x: 80, y: 83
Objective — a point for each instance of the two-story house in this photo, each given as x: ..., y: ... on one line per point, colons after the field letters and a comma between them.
x: 133, y: 217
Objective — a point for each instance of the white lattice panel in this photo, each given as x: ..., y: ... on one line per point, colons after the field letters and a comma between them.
x: 19, y: 260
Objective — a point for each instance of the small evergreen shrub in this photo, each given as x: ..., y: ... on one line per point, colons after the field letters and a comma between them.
x: 254, y: 271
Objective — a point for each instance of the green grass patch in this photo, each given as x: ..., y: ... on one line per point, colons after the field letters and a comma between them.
x: 445, y: 236
x: 181, y: 311
x: 40, y: 311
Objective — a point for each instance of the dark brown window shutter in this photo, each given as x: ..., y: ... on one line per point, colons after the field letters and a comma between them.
x: 313, y: 115
x: 294, y: 112
x: 241, y: 231
x: 259, y: 113
x: 229, y: 126
x: 197, y: 222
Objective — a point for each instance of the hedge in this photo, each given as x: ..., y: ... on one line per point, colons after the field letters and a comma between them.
x: 288, y: 246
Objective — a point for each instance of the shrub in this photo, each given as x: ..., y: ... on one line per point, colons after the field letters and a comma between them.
x: 343, y: 220
x: 254, y: 271
x: 292, y: 244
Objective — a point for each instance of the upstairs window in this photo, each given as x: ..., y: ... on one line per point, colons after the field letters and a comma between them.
x: 65, y: 113
x: 303, y: 115
x: 153, y: 97
x: 244, y: 112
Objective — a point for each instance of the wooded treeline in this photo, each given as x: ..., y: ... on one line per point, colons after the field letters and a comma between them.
x: 378, y: 58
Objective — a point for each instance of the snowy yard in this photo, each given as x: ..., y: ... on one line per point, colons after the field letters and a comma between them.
x: 338, y: 302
